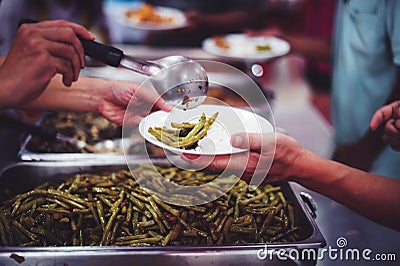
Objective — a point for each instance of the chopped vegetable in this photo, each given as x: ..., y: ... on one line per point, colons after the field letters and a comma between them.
x: 265, y: 47
x: 185, y: 135
x: 79, y: 212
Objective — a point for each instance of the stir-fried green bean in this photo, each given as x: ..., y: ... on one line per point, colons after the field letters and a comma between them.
x: 112, y: 209
x: 183, y: 135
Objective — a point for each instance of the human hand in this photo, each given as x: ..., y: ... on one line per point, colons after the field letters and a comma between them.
x: 197, y: 23
x: 118, y: 94
x: 390, y: 116
x: 195, y: 18
x: 272, y: 154
x: 39, y: 52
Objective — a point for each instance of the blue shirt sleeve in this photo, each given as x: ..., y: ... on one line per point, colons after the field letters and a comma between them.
x: 393, y: 28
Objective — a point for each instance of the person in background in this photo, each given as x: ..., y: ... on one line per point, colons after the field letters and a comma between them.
x: 349, y: 186
x: 365, y: 57
x: 208, y: 18
x: 45, y: 59
x: 366, y: 60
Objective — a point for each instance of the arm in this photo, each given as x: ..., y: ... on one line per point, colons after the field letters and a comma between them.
x: 110, y: 98
x: 83, y: 96
x: 375, y: 197
x: 363, y: 192
x: 313, y: 48
x: 227, y: 22
x: 363, y: 153
x: 309, y: 47
x: 238, y: 17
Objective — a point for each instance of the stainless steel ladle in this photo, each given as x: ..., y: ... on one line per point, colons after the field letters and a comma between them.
x: 181, y: 81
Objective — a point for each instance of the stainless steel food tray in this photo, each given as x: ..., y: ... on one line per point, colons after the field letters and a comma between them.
x: 24, y: 154
x: 23, y: 176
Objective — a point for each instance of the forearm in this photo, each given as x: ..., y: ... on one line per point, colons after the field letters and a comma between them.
x: 83, y: 96
x: 373, y: 139
x: 375, y: 197
x: 5, y: 90
x: 10, y: 95
x: 231, y: 21
x: 313, y: 48
x: 395, y: 94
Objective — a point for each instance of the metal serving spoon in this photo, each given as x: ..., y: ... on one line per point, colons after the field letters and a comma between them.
x: 182, y: 82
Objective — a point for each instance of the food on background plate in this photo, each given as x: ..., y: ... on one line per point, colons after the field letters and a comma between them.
x: 221, y: 42
x: 110, y: 208
x: 224, y: 43
x: 265, y: 47
x: 148, y: 14
x: 244, y: 47
x: 184, y: 135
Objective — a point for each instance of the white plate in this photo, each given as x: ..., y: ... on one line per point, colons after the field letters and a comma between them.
x: 179, y: 19
x: 243, y: 47
x: 230, y: 120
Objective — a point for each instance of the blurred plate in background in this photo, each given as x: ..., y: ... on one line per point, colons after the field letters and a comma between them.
x: 246, y: 48
x: 147, y: 17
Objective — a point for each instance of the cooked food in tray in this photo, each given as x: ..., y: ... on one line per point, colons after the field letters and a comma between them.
x: 89, y: 127
x: 91, y: 209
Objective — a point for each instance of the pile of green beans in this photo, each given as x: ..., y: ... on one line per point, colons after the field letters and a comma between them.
x: 183, y: 135
x: 112, y: 209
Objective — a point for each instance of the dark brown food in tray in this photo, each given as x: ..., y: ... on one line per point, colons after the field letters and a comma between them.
x: 89, y: 127
x: 110, y: 208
